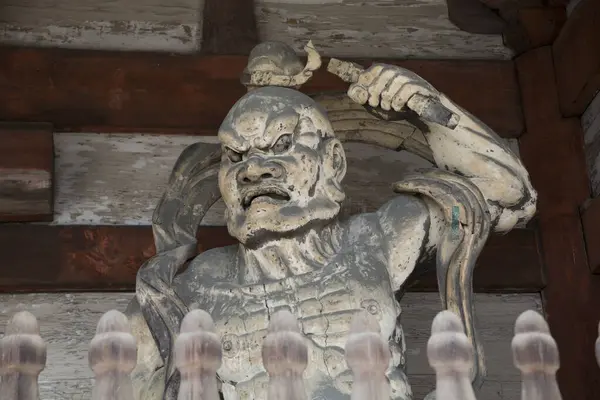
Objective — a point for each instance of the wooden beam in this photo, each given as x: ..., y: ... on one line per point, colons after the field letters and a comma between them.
x: 552, y: 150
x: 590, y: 122
x: 590, y: 220
x: 26, y: 172
x: 576, y: 53
x: 533, y: 27
x: 228, y: 27
x: 101, y: 258
x: 82, y: 90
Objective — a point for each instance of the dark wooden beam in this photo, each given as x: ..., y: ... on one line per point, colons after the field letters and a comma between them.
x: 26, y: 172
x: 576, y: 53
x: 590, y: 219
x: 228, y: 27
x: 100, y: 258
x: 82, y: 90
x: 552, y: 150
x: 534, y: 27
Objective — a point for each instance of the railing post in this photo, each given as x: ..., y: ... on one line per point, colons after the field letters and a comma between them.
x: 22, y: 358
x: 198, y: 355
x: 535, y: 353
x: 285, y: 357
x: 368, y: 356
x: 450, y: 354
x: 112, y: 356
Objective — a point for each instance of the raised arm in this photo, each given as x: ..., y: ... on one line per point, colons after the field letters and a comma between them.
x: 480, y: 186
x: 471, y: 149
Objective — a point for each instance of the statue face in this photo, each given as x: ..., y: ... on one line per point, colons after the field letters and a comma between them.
x: 281, y: 167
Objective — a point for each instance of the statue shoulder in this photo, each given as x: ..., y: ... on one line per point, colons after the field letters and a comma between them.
x: 403, y: 211
x: 399, y: 216
x: 409, y: 226
x: 218, y: 264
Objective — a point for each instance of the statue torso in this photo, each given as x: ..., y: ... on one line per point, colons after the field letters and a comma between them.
x: 355, y: 277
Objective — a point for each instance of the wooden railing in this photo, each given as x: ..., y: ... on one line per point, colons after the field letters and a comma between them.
x: 197, y: 355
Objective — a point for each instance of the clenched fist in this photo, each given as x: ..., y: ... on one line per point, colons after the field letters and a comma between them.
x: 389, y: 87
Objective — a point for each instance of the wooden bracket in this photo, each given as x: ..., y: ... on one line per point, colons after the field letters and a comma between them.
x: 576, y: 54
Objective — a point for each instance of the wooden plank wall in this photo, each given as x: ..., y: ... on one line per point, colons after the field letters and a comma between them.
x: 348, y: 28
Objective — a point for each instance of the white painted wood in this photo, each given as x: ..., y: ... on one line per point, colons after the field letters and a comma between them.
x: 285, y: 356
x: 344, y: 28
x: 377, y: 28
x: 536, y: 354
x: 112, y: 356
x: 590, y: 122
x: 198, y: 356
x: 104, y: 35
x: 116, y: 25
x: 118, y: 178
x: 368, y: 356
x: 68, y: 323
x: 451, y: 354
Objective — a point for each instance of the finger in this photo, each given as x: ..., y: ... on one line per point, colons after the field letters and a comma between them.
x: 406, y: 91
x: 358, y: 93
x: 387, y: 95
x: 368, y: 76
x: 379, y: 84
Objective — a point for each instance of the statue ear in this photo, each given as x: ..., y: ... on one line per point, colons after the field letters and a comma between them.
x: 335, y: 159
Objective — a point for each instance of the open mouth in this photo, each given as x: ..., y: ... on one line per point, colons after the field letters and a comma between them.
x: 268, y: 194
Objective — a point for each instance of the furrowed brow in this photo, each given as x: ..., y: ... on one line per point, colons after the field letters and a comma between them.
x: 233, y: 141
x: 278, y: 126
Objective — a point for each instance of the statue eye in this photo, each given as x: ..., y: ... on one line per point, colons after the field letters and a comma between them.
x: 282, y: 144
x: 233, y: 156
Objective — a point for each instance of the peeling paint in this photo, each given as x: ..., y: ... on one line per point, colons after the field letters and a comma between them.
x: 106, y: 35
x: 340, y: 28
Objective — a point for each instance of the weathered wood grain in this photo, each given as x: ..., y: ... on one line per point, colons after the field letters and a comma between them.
x: 119, y: 178
x: 590, y: 122
x: 67, y: 375
x: 552, y: 150
x: 26, y: 172
x: 78, y: 90
x: 590, y: 221
x: 116, y: 25
x: 576, y: 53
x: 381, y: 28
x: 97, y: 258
x: 349, y: 28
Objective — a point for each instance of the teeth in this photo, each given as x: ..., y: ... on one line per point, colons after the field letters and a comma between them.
x: 273, y: 194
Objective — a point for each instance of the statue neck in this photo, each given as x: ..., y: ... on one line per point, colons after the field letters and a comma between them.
x: 282, y: 257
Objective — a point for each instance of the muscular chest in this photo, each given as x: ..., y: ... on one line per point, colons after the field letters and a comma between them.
x: 324, y: 301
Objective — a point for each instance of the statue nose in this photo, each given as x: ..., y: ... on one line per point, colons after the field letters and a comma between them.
x: 258, y: 170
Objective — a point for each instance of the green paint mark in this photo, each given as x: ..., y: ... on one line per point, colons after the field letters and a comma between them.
x: 455, y: 221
